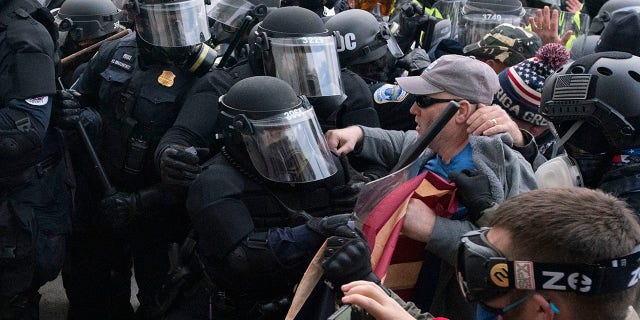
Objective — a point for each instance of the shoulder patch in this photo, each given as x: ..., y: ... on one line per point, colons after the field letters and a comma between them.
x: 389, y: 93
x: 37, y: 101
x: 122, y: 65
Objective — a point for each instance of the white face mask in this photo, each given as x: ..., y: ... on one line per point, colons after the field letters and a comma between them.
x: 559, y: 172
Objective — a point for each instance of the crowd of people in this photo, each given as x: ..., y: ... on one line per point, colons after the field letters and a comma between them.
x: 213, y: 148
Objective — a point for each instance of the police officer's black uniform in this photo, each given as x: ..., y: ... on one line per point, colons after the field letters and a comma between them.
x: 138, y: 91
x: 34, y: 190
x: 249, y: 223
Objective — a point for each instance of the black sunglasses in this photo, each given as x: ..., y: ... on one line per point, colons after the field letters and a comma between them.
x: 426, y: 101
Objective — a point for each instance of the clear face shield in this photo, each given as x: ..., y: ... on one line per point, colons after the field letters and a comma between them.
x: 229, y: 12
x: 290, y: 147
x: 479, y: 19
x: 178, y: 24
x: 309, y: 64
x: 472, y: 20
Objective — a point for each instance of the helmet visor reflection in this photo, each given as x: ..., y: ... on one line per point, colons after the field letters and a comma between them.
x: 290, y: 147
x: 309, y: 64
x: 177, y: 24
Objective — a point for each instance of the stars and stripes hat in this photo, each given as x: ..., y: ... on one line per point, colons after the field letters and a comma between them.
x: 521, y: 85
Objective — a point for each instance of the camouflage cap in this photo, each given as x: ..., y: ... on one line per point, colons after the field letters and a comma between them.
x: 506, y: 43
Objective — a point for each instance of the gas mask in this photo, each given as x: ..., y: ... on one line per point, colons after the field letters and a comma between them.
x: 559, y: 172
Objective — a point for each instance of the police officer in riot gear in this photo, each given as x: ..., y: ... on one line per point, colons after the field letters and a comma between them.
x: 292, y: 44
x: 137, y: 84
x: 34, y: 192
x: 82, y: 23
x: 592, y: 104
x: 364, y: 47
x: 230, y: 23
x: 256, y: 207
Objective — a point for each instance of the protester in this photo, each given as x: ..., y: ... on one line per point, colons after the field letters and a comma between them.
x: 520, y: 91
x: 601, y: 136
x: 469, y: 82
x: 621, y: 32
x: 504, y: 46
x: 595, y: 232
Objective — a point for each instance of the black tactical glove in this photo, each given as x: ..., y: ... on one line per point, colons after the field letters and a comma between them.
x: 474, y: 191
x: 66, y: 109
x: 346, y: 260
x: 342, y: 225
x: 412, y: 16
x: 119, y: 209
x: 179, y: 165
x: 414, y: 61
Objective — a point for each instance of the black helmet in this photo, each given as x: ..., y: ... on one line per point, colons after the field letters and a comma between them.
x: 295, y: 46
x: 173, y: 30
x: 80, y: 20
x: 278, y: 130
x: 361, y: 37
x: 592, y: 102
x: 606, y: 12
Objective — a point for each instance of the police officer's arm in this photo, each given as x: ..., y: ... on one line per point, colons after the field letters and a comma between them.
x: 25, y: 113
x: 89, y: 80
x: 195, y: 125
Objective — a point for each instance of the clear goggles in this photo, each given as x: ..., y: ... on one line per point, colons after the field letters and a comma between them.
x: 309, y: 64
x: 290, y: 147
x: 176, y: 24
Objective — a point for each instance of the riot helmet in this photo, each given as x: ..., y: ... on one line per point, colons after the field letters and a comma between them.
x: 262, y: 117
x: 473, y: 19
x: 361, y: 38
x: 173, y: 31
x: 606, y: 12
x: 171, y: 24
x: 292, y: 44
x: 85, y: 21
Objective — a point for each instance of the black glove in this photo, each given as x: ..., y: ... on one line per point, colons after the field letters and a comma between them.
x: 178, y: 165
x: 66, y: 109
x: 414, y: 61
x: 342, y: 225
x: 119, y: 209
x: 411, y: 17
x: 346, y: 260
x: 474, y: 191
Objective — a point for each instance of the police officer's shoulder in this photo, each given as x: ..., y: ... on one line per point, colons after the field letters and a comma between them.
x: 25, y: 34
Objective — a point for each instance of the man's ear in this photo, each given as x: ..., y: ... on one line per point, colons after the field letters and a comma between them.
x: 464, y: 112
x: 546, y: 310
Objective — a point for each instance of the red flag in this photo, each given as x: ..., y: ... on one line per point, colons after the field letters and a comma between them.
x: 395, y: 258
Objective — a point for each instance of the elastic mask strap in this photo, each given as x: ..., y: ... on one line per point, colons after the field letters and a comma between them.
x: 561, y: 141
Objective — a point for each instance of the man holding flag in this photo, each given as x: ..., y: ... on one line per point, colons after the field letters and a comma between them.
x: 487, y: 165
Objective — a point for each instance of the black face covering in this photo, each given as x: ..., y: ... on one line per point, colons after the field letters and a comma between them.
x: 592, y: 166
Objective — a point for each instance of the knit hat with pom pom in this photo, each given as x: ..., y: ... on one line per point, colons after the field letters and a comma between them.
x: 521, y: 85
